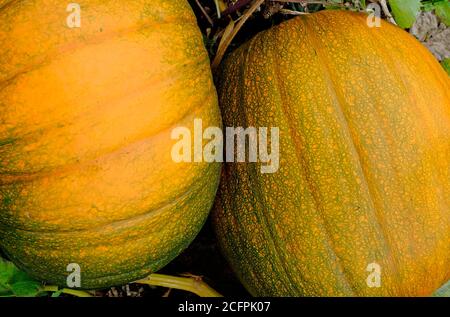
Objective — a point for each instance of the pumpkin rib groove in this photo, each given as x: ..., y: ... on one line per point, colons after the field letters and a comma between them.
x: 124, y: 223
x: 339, y: 102
x: 389, y: 59
x: 69, y: 49
x: 7, y: 141
x: 399, y: 79
x: 63, y: 53
x: 267, y: 223
x: 8, y: 3
x: 304, y: 168
x: 100, y: 279
x: 94, y: 279
x: 271, y: 236
x: 386, y: 132
x: 8, y: 178
x: 402, y: 83
x: 5, y: 82
x: 333, y: 90
x: 97, y: 279
x: 246, y: 56
x: 394, y: 260
x: 426, y: 111
x: 136, y: 92
x: 171, y: 71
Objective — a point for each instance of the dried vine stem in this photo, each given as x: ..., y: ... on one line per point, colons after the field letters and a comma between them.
x: 306, y: 2
x: 229, y: 36
x: 206, y: 15
x: 235, y: 7
x: 291, y: 12
x: 386, y: 11
x: 190, y: 284
x: 74, y: 292
x: 216, y: 2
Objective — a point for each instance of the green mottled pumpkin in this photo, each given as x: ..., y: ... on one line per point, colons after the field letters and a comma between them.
x: 364, y: 177
x: 86, y: 115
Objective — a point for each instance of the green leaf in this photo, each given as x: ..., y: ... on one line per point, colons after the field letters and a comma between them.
x: 442, y: 10
x: 7, y: 270
x: 14, y: 282
x: 405, y: 12
x: 336, y: 6
x: 363, y: 3
x: 19, y: 276
x: 26, y: 288
x: 444, y: 291
x: 332, y: 7
x: 446, y: 64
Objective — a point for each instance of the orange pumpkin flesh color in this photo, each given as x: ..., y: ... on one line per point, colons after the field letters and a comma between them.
x: 364, y: 178
x: 86, y: 174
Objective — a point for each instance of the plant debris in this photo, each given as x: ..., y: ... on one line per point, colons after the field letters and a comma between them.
x: 433, y: 33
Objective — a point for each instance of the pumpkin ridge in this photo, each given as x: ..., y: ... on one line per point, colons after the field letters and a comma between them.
x: 305, y: 169
x: 402, y: 83
x: 101, y: 280
x: 242, y: 71
x: 8, y: 178
x: 396, y: 74
x: 339, y: 101
x: 400, y: 80
x: 389, y: 59
x: 150, y: 81
x: 269, y: 231
x: 119, y: 224
x: 300, y: 160
x: 67, y: 50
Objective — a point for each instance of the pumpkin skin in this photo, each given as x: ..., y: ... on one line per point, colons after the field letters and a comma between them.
x: 364, y: 119
x: 86, y: 173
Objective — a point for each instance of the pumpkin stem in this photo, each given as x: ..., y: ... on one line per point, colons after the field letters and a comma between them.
x: 190, y: 284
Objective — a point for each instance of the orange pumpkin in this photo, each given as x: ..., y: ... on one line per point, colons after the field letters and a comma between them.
x: 86, y: 114
x: 363, y: 187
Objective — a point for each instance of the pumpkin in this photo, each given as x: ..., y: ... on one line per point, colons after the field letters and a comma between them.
x: 360, y: 205
x: 86, y: 173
